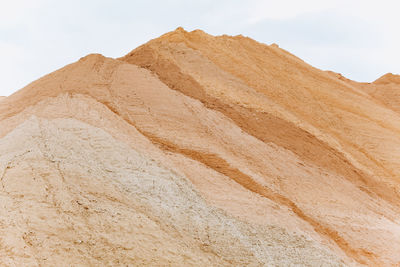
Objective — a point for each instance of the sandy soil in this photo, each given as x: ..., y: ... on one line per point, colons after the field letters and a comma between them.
x: 200, y: 150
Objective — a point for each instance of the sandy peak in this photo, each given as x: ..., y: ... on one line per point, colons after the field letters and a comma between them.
x: 180, y: 29
x: 388, y: 78
x: 92, y: 57
x: 183, y: 31
x: 181, y: 35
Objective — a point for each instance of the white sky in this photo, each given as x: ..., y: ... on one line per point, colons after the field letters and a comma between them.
x: 359, y: 39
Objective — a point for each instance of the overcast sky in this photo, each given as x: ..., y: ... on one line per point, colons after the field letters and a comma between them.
x: 359, y: 39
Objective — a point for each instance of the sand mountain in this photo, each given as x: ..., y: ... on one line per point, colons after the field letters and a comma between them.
x: 200, y: 150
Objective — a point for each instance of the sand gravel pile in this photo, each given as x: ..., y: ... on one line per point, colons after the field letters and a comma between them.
x: 200, y: 150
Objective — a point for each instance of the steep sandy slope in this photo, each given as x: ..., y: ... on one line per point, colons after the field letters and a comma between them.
x: 230, y: 153
x: 257, y: 75
x: 81, y: 184
x: 328, y: 124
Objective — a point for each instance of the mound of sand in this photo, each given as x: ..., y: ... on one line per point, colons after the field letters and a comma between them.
x: 388, y: 78
x: 199, y: 150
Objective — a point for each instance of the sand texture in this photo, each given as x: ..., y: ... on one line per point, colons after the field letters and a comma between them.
x: 196, y: 150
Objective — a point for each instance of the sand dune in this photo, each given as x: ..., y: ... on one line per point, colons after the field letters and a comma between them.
x: 200, y: 150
